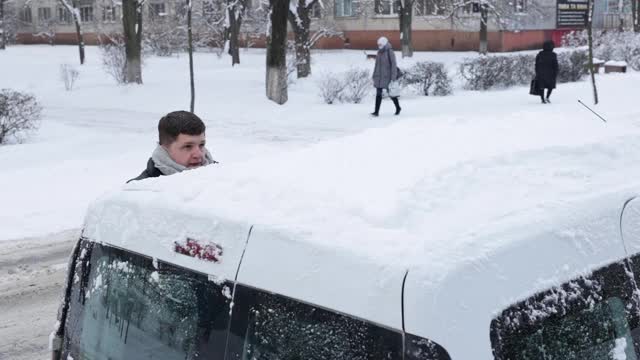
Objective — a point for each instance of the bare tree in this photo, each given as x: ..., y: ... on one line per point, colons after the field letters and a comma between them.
x: 209, y: 26
x: 8, y: 22
x: 3, y: 38
x: 132, y: 23
x: 505, y: 14
x: 621, y: 15
x: 300, y: 20
x: 46, y: 29
x: 304, y: 14
x: 635, y: 12
x: 276, y: 77
x: 74, y: 10
x: 255, y: 24
x: 590, y: 39
x: 406, y: 20
x: 164, y: 33
x: 233, y: 22
x: 190, y: 35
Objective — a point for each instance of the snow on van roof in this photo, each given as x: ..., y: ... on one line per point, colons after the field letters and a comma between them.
x: 416, y: 192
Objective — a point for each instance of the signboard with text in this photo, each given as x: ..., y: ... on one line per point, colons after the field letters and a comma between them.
x: 572, y: 14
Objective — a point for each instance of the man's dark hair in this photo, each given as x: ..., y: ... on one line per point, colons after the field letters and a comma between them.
x: 176, y: 123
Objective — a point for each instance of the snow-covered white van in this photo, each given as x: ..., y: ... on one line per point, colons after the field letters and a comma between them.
x: 153, y: 280
x: 355, y: 250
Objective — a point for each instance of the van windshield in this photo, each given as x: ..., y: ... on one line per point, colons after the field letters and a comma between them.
x: 127, y: 308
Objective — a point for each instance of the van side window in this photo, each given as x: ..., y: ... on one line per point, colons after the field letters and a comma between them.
x: 592, y: 317
x: 268, y: 327
x: 124, y: 307
x: 418, y: 348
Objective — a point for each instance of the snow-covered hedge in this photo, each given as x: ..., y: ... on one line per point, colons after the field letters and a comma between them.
x: 497, y: 71
x: 573, y: 65
x: 351, y: 86
x: 609, y: 45
x: 501, y: 71
x: 428, y: 78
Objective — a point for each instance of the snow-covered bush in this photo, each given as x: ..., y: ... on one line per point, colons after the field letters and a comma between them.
x: 575, y: 39
x: 610, y: 45
x: 501, y: 71
x: 573, y: 65
x: 165, y: 36
x: 497, y: 71
x: 114, y: 59
x: 68, y: 74
x: 19, y: 114
x: 428, y: 78
x: 357, y: 85
x: 331, y: 87
x: 351, y: 86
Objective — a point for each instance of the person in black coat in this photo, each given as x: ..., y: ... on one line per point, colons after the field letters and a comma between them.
x: 181, y: 146
x: 546, y: 70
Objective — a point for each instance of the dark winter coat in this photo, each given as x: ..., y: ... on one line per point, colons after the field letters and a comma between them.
x: 386, y: 69
x: 150, y: 171
x: 547, y: 67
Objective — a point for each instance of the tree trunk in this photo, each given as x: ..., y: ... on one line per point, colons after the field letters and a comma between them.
x: 590, y: 39
x: 301, y: 24
x: 190, y: 36
x: 235, y: 23
x: 75, y: 13
x: 79, y: 37
x: 276, y: 77
x: 132, y: 25
x: 484, y: 36
x: 406, y: 19
x: 3, y: 38
x: 635, y: 9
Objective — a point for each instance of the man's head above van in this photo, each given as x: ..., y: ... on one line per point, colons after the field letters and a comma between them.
x: 181, y: 146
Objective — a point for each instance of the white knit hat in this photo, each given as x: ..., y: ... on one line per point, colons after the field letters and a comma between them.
x: 383, y: 41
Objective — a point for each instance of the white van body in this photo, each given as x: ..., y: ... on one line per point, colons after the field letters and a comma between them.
x: 445, y: 263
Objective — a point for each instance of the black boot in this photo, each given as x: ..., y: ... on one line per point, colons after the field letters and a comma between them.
x: 378, y: 102
x: 397, y: 104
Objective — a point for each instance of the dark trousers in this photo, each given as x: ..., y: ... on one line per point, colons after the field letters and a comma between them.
x: 379, y: 101
x: 542, y: 93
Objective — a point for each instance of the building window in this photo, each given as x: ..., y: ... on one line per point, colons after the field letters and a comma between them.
x: 316, y: 11
x: 25, y: 15
x: 180, y: 10
x: 44, y: 14
x: 431, y: 7
x: 344, y: 8
x: 109, y: 14
x: 86, y: 13
x: 469, y: 9
x: 521, y: 6
x: 64, y: 16
x: 157, y: 11
x: 387, y: 7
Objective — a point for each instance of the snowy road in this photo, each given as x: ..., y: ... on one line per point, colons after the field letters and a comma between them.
x: 31, y: 279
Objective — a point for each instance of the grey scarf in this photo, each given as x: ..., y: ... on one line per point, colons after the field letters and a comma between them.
x: 167, y: 166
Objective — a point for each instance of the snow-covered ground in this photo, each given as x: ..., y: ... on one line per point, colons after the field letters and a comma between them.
x: 99, y: 135
x: 471, y: 144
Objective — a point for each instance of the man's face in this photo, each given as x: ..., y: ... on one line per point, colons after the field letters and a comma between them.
x: 187, y: 150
